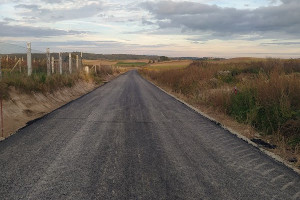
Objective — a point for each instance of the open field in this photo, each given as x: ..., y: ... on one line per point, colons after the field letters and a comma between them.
x: 119, y: 63
x: 170, y: 64
x: 263, y: 94
x: 97, y: 62
x: 131, y: 64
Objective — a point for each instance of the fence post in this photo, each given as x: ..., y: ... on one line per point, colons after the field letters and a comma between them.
x: 29, y: 63
x: 77, y: 62
x: 70, y: 63
x: 0, y: 67
x: 48, y: 61
x: 60, y: 62
x: 20, y: 65
x: 52, y: 64
x: 81, y: 65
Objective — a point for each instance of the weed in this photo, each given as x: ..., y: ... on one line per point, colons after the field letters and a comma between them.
x: 268, y: 95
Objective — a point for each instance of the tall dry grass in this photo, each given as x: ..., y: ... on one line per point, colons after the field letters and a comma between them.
x: 267, y: 96
x: 40, y: 82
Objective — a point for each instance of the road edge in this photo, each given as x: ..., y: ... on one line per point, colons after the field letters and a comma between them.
x: 230, y: 130
x: 2, y: 139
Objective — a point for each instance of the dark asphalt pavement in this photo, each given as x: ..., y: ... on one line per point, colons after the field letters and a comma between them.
x: 129, y: 140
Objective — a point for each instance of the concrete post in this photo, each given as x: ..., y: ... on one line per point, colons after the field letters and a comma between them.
x: 52, y: 64
x: 81, y: 65
x: 77, y: 62
x: 29, y: 63
x: 0, y: 67
x: 20, y: 65
x: 48, y: 62
x: 60, y: 63
x: 70, y: 63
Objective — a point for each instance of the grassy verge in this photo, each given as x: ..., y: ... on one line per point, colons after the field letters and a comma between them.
x: 40, y: 82
x: 264, y: 94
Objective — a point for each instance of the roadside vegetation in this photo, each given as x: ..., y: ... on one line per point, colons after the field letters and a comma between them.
x: 40, y: 82
x: 263, y: 93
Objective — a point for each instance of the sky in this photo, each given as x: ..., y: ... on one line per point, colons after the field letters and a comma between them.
x: 194, y: 28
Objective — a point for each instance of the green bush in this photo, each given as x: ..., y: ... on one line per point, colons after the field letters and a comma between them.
x: 241, y: 104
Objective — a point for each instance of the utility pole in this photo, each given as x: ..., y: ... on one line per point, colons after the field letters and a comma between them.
x: 70, y: 63
x: 48, y: 61
x: 29, y: 63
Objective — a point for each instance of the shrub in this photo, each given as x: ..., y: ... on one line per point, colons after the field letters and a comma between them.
x: 241, y: 104
x: 268, y: 98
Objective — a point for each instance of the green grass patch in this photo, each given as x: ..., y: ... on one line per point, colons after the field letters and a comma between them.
x: 167, y: 66
x: 131, y: 64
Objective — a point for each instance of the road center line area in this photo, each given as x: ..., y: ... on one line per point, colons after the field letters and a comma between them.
x: 129, y: 140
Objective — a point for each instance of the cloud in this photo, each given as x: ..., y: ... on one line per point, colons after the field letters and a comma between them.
x: 29, y: 31
x: 60, y: 13
x: 274, y: 21
x: 281, y: 43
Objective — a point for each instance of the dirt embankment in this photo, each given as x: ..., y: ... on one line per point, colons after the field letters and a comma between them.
x: 21, y: 107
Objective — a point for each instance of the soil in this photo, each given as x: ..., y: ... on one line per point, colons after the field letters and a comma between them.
x: 21, y: 108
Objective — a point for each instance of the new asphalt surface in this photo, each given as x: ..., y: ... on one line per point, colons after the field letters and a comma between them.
x: 129, y: 140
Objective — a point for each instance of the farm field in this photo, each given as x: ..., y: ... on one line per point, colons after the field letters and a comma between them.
x: 170, y: 64
x: 97, y: 62
x: 260, y: 97
x: 119, y: 63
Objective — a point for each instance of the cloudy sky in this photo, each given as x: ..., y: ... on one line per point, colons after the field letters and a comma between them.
x: 219, y: 28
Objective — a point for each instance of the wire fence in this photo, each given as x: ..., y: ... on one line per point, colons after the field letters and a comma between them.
x: 17, y: 59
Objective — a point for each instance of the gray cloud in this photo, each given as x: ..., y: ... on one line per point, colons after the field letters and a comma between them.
x: 59, y: 14
x: 28, y: 31
x: 281, y: 43
x: 97, y: 44
x: 275, y: 21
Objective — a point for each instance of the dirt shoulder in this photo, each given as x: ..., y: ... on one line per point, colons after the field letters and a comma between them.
x: 280, y: 151
x: 21, y: 107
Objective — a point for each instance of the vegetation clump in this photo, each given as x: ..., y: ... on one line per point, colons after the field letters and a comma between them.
x: 264, y: 93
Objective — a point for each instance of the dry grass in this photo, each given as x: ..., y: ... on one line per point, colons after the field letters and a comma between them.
x: 174, y: 64
x: 97, y: 62
x: 40, y: 82
x: 267, y: 97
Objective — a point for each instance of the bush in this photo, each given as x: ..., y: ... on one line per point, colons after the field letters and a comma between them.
x: 268, y: 96
x: 241, y: 105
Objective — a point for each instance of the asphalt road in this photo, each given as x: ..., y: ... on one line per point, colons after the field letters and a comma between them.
x: 129, y: 140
